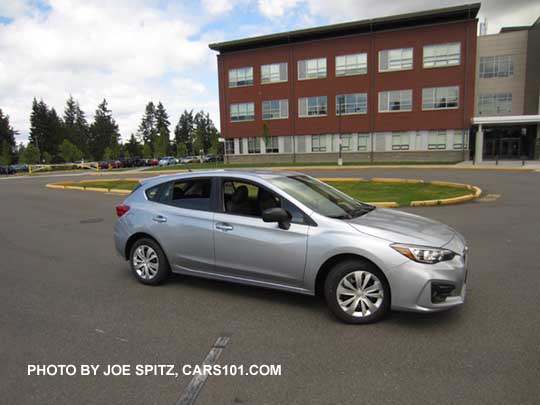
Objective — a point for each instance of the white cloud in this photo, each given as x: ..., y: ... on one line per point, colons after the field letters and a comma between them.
x: 92, y: 49
x: 218, y: 6
x: 275, y: 8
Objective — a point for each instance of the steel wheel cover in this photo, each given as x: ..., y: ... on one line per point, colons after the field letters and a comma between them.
x: 145, y: 262
x: 360, y: 293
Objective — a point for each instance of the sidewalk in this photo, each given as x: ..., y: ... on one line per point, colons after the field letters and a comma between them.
x: 502, y: 164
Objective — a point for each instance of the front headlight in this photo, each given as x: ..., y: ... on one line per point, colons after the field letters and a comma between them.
x: 423, y: 254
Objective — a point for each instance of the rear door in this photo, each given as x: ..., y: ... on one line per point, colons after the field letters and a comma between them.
x: 248, y: 248
x: 183, y: 219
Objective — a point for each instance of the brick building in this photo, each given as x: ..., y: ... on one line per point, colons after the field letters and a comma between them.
x: 387, y: 89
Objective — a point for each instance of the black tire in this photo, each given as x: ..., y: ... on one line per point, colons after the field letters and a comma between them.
x: 163, y: 267
x: 347, y: 269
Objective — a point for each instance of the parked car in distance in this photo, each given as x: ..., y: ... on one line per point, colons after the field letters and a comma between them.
x: 5, y: 169
x: 190, y: 159
x: 19, y: 168
x: 292, y: 232
x: 167, y: 161
x: 212, y: 158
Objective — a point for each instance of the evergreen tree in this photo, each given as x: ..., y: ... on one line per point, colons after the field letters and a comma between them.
x: 184, y: 135
x: 104, y: 133
x: 163, y: 132
x: 133, y: 147
x: 7, y: 139
x: 206, y: 132
x: 76, y: 126
x: 45, y: 130
x: 148, y: 129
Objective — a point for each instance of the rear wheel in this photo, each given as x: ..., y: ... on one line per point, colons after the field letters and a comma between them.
x: 357, y: 292
x: 148, y: 262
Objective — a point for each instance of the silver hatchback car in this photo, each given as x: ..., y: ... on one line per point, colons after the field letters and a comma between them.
x: 291, y: 232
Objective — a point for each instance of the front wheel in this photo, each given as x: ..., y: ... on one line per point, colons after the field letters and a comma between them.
x: 357, y: 292
x: 148, y: 262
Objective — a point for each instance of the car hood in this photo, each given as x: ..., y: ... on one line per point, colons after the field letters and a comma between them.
x: 402, y: 227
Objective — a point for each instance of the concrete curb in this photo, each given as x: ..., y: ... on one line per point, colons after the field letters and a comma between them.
x: 387, y: 204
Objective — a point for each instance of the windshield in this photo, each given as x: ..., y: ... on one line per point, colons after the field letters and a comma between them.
x: 321, y: 197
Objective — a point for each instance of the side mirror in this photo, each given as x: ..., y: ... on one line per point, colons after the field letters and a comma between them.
x: 279, y: 215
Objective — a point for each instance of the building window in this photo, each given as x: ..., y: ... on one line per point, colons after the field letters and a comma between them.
x: 355, y: 64
x: 229, y: 146
x: 242, y: 112
x: 496, y: 66
x: 437, y: 140
x: 351, y: 103
x: 346, y: 143
x: 254, y: 145
x: 436, y: 98
x: 318, y: 143
x: 241, y: 77
x: 272, y: 145
x: 241, y: 146
x: 275, y: 109
x: 442, y: 55
x: 401, y: 141
x: 494, y: 103
x: 312, y: 106
x: 274, y: 73
x: 395, y: 59
x: 312, y: 69
x: 363, y: 143
x: 460, y: 140
x: 396, y: 100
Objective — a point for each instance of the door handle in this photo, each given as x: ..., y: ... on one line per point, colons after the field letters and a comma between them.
x: 224, y: 227
x: 159, y: 219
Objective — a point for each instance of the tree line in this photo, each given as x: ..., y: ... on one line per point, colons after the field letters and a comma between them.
x: 69, y: 138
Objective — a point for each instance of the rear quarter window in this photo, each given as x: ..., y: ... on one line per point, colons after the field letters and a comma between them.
x: 153, y: 193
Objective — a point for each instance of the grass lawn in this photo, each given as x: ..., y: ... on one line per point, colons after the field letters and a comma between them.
x: 290, y: 164
x: 402, y: 193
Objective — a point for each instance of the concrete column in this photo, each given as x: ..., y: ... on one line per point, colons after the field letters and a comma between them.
x: 479, y: 147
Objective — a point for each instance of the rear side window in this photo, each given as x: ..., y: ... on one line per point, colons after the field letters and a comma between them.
x: 193, y: 194
x: 153, y: 193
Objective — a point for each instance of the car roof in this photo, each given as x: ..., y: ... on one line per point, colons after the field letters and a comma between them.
x: 244, y: 174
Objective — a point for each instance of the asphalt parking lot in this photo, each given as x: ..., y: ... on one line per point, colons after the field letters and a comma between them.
x: 67, y: 298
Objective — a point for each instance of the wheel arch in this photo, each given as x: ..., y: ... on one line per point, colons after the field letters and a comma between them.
x: 325, y: 268
x: 134, y: 238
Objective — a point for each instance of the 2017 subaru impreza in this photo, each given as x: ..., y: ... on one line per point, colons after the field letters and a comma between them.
x: 291, y: 232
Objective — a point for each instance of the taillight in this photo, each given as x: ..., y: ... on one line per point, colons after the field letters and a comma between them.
x: 121, y: 209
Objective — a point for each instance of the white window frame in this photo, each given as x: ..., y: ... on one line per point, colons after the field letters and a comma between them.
x: 402, y: 94
x: 497, y: 61
x: 462, y: 134
x: 271, y: 144
x: 244, y: 106
x: 283, y: 106
x: 245, y: 71
x: 497, y: 100
x: 254, y: 145
x: 362, y: 146
x: 360, y: 99
x: 443, y: 55
x: 271, y: 74
x: 319, y: 104
x: 319, y: 72
x: 402, y: 65
x: 229, y: 146
x: 437, y: 140
x: 439, y: 93
x: 318, y: 139
x: 353, y: 64
x: 346, y: 142
x: 400, y: 144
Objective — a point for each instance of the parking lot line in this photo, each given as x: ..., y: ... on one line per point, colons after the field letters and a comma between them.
x: 190, y: 394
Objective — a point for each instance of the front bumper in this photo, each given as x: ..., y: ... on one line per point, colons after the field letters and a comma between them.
x: 429, y: 287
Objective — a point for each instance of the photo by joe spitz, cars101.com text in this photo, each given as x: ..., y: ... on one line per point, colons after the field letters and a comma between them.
x: 269, y: 202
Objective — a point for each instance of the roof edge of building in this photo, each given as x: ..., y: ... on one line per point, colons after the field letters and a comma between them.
x: 447, y: 14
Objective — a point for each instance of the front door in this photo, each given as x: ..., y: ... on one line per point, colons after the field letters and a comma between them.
x: 248, y: 248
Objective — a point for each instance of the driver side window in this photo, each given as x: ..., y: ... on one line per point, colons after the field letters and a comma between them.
x: 248, y: 199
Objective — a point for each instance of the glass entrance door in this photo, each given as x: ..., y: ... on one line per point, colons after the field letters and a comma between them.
x: 510, y: 148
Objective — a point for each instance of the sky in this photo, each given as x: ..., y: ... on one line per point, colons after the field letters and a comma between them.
x: 134, y: 51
